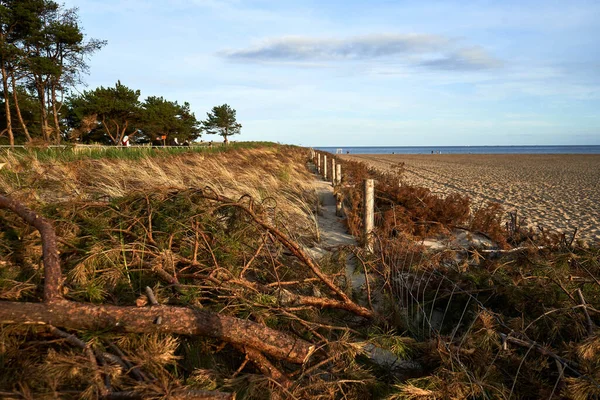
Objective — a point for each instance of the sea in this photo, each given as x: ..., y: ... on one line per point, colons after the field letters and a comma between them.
x: 462, y: 149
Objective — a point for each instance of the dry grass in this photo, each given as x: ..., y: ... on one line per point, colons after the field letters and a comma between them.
x: 264, y: 174
x: 482, y: 297
x: 126, y: 225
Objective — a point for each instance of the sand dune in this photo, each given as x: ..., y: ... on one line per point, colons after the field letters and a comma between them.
x: 555, y: 191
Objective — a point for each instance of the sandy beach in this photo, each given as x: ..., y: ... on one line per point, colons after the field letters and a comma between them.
x: 554, y: 191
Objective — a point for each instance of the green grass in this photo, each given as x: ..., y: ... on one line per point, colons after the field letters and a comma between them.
x: 68, y: 154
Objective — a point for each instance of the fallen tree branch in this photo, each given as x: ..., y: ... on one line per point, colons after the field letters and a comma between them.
x: 296, y: 250
x: 265, y: 366
x: 540, y: 349
x: 81, y: 316
x: 590, y: 324
x: 178, y: 320
x: 52, y: 273
x: 176, y: 395
x: 103, y: 387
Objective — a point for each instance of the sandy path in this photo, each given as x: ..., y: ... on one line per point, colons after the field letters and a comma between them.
x: 332, y: 231
x: 556, y: 191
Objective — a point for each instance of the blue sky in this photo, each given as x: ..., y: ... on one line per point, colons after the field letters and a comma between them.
x: 341, y: 73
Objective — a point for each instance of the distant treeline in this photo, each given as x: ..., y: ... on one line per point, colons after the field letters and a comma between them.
x: 43, y: 54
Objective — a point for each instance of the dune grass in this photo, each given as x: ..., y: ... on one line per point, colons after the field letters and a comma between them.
x: 514, y: 320
x: 74, y: 153
x: 125, y: 225
x: 185, y: 225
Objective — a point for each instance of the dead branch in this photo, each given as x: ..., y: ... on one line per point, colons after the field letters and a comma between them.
x: 590, y: 324
x: 296, y: 250
x: 368, y: 285
x: 120, y: 359
x: 151, y: 296
x: 80, y: 316
x: 265, y: 366
x: 75, y: 341
x: 542, y: 350
x: 177, y: 395
x: 177, y: 320
x: 72, y: 339
x: 253, y: 257
x: 52, y: 273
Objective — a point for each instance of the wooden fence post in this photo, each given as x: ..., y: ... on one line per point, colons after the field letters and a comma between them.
x: 338, y: 204
x: 325, y: 166
x: 333, y: 171
x: 369, y: 212
x: 338, y: 173
x: 319, y: 163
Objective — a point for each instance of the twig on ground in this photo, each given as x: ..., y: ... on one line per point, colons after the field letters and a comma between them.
x: 590, y: 323
x: 151, y: 297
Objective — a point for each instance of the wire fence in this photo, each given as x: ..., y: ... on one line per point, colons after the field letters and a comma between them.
x: 507, y: 323
x: 435, y: 306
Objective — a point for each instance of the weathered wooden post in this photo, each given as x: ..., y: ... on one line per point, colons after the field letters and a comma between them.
x: 333, y: 171
x: 325, y: 166
x: 338, y: 204
x: 319, y: 163
x: 369, y: 212
x: 338, y: 173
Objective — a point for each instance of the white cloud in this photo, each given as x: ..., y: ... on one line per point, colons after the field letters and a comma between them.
x: 471, y: 58
x: 307, y: 48
x: 434, y: 51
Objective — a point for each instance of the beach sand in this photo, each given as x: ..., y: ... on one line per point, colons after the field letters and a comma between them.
x: 554, y: 191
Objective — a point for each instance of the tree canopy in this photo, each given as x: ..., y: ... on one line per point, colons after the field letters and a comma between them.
x: 43, y: 54
x: 221, y: 121
x: 168, y: 119
x: 109, y: 114
x: 116, y: 111
x: 43, y: 57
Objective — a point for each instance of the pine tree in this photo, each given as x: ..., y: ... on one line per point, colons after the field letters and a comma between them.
x: 221, y: 121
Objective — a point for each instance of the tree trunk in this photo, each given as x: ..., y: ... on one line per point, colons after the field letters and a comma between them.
x: 9, y: 130
x: 43, y: 111
x: 162, y: 319
x: 122, y: 133
x: 55, y: 112
x: 107, y: 130
x: 18, y: 109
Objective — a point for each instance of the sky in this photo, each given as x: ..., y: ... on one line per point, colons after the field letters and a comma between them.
x: 360, y: 73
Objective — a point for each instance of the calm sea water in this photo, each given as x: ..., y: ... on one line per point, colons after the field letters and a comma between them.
x: 466, y: 150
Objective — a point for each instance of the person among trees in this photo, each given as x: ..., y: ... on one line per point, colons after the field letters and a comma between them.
x: 107, y: 114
